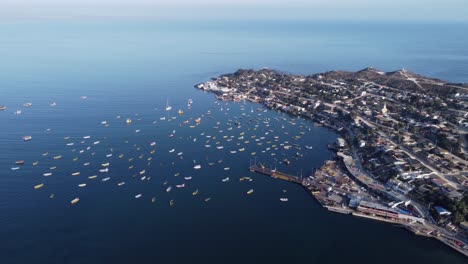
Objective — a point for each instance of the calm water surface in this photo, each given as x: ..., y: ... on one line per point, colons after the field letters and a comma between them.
x: 130, y: 68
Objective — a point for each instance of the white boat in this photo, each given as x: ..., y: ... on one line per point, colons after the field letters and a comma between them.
x: 15, y: 168
x: 109, y: 155
x: 53, y: 104
x: 138, y: 196
x: 82, y: 185
x: 308, y: 147
x: 92, y: 177
x: 27, y: 138
x: 219, y: 147
x: 180, y: 154
x: 120, y: 183
x: 96, y: 142
x: 18, y: 112
x: 70, y: 144
x: 104, y: 170
x: 87, y: 137
x: 171, y: 151
x: 27, y: 104
x: 227, y: 168
x: 181, y: 185
x: 188, y: 178
x: 169, y: 189
x: 105, y: 179
x: 284, y: 199
x: 47, y: 174
x: 168, y: 107
x: 74, y: 201
x: 153, y: 144
x: 197, y: 167
x: 75, y: 173
x: 225, y: 179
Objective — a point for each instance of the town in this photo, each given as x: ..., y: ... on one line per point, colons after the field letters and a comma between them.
x: 401, y: 152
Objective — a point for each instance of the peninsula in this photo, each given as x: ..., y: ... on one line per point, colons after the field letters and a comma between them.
x: 401, y: 155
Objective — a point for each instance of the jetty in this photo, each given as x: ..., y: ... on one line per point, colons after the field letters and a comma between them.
x: 275, y: 174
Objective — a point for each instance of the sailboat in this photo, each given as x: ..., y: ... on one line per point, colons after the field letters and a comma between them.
x: 168, y: 107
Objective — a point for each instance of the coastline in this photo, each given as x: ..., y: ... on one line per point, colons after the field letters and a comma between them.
x: 347, y: 162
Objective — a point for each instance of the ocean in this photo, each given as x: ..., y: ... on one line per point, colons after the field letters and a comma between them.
x: 132, y: 69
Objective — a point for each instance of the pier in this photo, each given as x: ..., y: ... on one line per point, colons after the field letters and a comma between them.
x: 275, y: 174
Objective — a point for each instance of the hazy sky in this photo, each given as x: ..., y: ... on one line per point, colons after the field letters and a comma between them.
x: 426, y: 10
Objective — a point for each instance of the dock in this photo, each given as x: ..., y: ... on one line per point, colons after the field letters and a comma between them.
x: 275, y: 174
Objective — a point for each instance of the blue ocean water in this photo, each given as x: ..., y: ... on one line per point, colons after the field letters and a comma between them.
x: 130, y: 68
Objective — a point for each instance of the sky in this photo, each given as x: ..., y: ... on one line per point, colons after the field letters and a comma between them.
x: 388, y: 10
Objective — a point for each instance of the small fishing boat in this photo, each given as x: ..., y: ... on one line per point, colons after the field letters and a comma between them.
x: 19, y: 162
x: 39, y: 186
x: 74, y: 201
x: 138, y: 196
x: 2, y: 107
x: 27, y: 138
x: 195, y: 192
x: 92, y: 177
x: 105, y: 179
x: 104, y: 170
x: 225, y: 179
x: 188, y: 178
x: 171, y: 202
x: 57, y: 157
x: 168, y: 107
x: 75, y: 173
x: 47, y: 174
x: 171, y: 151
x: 181, y: 185
x: 82, y: 185
x: 169, y: 189
x: 128, y: 121
x: 250, y: 191
x: 153, y: 199
x: 284, y: 199
x: 197, y: 167
x: 120, y: 183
